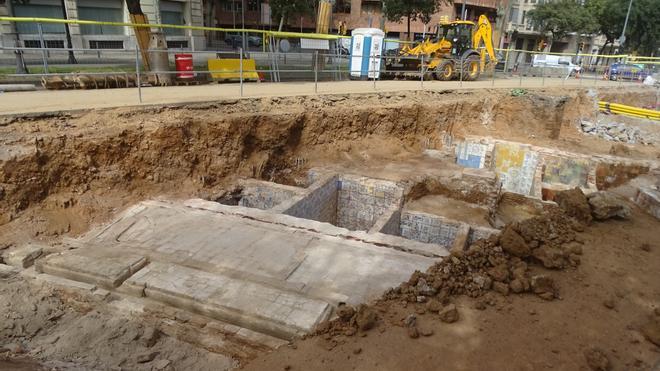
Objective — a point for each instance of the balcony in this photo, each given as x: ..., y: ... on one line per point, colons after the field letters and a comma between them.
x: 480, y: 3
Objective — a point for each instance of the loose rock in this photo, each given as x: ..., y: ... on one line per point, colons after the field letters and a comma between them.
x: 605, y: 205
x: 449, y: 314
x: 513, y: 243
x: 597, y: 359
x: 366, y: 318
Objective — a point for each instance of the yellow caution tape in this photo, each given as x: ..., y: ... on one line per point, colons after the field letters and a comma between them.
x: 629, y: 110
x: 281, y: 34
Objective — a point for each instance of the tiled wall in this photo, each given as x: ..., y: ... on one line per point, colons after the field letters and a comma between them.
x: 428, y: 228
x: 363, y: 200
x: 319, y: 204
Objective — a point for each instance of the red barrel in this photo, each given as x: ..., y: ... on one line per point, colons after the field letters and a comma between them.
x: 184, y: 66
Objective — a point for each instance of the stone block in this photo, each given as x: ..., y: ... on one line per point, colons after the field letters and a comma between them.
x: 7, y: 271
x: 649, y: 199
x: 260, y: 308
x: 103, y: 267
x: 23, y: 256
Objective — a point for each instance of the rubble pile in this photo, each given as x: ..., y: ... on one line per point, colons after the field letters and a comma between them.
x: 613, y: 131
x: 499, y: 263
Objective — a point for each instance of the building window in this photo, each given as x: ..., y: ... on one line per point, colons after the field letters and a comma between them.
x: 523, y: 18
x: 343, y: 6
x: 102, y: 11
x: 177, y: 44
x: 106, y: 44
x: 171, y: 12
x: 45, y: 9
x: 513, y: 15
x: 252, y: 5
x: 52, y: 44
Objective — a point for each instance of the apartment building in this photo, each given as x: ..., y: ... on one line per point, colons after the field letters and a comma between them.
x: 180, y: 12
x: 520, y: 34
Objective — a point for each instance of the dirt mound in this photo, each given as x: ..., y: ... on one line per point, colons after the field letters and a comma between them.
x: 499, y: 263
x: 574, y: 203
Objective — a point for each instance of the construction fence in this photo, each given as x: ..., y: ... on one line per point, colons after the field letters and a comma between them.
x: 247, y: 56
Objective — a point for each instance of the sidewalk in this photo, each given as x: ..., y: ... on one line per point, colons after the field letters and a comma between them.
x: 60, y: 100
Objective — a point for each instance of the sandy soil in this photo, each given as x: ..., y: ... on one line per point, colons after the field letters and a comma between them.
x: 60, y: 174
x: 451, y: 208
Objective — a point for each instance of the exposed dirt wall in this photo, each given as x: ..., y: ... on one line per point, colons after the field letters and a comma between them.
x: 130, y: 153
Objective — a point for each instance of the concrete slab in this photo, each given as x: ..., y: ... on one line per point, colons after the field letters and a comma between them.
x: 254, y: 306
x: 649, y: 199
x: 23, y: 256
x: 101, y: 267
x: 270, y: 273
x: 7, y: 271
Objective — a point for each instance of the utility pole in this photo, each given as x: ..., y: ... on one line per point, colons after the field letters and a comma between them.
x: 504, y: 19
x: 622, y: 39
x: 243, y: 39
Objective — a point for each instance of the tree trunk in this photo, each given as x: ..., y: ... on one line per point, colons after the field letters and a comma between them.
x: 67, y: 31
x: 410, y: 38
x: 21, y: 67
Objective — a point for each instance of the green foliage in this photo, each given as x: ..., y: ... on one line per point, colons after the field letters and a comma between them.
x: 291, y: 8
x: 396, y: 10
x: 562, y: 17
x: 609, y: 15
x: 643, y: 31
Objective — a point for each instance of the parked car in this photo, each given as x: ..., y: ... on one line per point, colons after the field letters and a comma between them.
x: 626, y: 71
x: 555, y: 61
x: 233, y: 40
x: 254, y: 40
x: 236, y: 40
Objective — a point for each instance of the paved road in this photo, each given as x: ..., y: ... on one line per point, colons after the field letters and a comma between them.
x: 47, y: 101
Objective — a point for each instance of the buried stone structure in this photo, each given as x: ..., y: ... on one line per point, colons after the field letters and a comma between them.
x: 278, y: 259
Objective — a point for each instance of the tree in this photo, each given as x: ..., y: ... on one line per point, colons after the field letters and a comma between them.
x: 284, y: 9
x: 396, y: 10
x: 21, y: 66
x: 643, y: 31
x: 610, y: 16
x: 561, y: 17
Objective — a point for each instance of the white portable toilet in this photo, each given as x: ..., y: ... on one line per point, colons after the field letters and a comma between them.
x: 366, y: 51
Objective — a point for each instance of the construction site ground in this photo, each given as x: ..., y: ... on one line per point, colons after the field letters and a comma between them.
x: 153, y: 255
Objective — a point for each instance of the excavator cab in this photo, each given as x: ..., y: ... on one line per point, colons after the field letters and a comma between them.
x: 459, y: 34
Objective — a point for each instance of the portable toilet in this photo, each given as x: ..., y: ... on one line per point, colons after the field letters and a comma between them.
x: 366, y: 51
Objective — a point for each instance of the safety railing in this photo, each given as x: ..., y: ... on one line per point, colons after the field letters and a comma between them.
x: 273, y: 62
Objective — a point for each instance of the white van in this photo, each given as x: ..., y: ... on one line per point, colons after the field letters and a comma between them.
x: 555, y: 61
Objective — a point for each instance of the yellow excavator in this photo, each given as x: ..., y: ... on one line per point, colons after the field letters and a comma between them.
x: 458, y: 49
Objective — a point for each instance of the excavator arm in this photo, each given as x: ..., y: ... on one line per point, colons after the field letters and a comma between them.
x: 142, y: 34
x: 484, y: 33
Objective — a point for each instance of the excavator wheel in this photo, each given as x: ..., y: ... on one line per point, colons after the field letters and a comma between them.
x: 471, y: 68
x: 444, y: 71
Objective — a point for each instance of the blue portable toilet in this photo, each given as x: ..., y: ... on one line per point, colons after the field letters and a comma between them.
x: 366, y: 52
